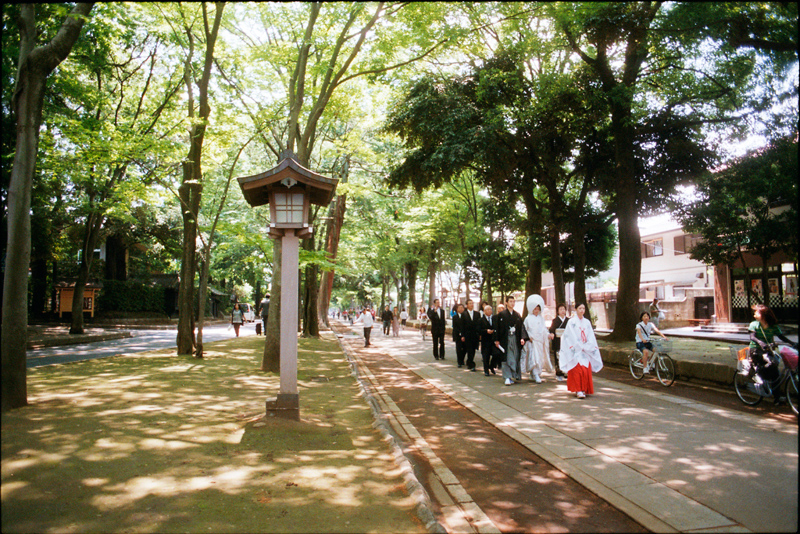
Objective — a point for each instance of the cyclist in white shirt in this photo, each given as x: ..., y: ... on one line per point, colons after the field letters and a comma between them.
x: 643, y: 332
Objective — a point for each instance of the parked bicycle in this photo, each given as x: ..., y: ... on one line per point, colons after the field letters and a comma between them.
x: 660, y: 360
x: 751, y: 388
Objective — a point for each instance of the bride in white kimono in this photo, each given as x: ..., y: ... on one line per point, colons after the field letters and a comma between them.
x: 580, y: 355
x: 536, y: 357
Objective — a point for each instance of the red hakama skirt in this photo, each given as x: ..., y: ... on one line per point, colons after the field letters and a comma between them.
x: 579, y: 378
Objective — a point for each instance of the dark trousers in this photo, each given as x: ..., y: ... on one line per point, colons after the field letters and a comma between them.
x: 367, y: 332
x: 461, y: 351
x: 386, y: 325
x: 470, y: 348
x: 497, y: 359
x: 438, y: 344
x: 486, y: 355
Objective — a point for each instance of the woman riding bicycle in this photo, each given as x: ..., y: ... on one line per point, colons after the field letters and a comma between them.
x: 643, y: 332
x: 762, y: 334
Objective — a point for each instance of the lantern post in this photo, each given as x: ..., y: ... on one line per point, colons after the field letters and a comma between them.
x: 289, y: 189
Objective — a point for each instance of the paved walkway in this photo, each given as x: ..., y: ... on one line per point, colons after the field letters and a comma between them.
x: 670, y: 463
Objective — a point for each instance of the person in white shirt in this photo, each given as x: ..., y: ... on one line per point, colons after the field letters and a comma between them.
x: 403, y: 319
x: 367, y: 320
x: 580, y: 355
x: 643, y: 332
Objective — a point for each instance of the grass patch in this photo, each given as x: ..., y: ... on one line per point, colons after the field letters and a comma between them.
x: 161, y: 443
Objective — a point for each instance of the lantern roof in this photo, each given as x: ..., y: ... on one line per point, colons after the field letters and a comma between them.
x: 256, y: 188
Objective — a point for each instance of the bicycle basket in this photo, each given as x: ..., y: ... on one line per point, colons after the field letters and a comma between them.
x: 741, y: 354
x: 662, y: 345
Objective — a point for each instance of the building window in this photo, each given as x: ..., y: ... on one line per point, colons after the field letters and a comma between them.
x: 685, y: 243
x: 654, y: 247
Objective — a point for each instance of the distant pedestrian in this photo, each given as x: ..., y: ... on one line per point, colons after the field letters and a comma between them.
x: 386, y: 318
x: 438, y: 328
x: 656, y: 313
x: 395, y: 322
x: 367, y: 320
x: 265, y: 312
x: 403, y: 319
x: 580, y: 355
x: 237, y: 318
x: 423, y: 322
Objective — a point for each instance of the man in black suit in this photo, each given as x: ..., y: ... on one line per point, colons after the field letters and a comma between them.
x: 386, y: 317
x: 486, y: 331
x: 510, y: 336
x: 438, y: 327
x: 470, y: 327
x: 458, y: 335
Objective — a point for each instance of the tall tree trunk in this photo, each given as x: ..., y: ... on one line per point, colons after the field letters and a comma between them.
x: 334, y: 233
x: 202, y: 295
x: 191, y: 189
x: 579, y: 246
x: 412, y: 269
x: 34, y: 66
x: 432, y: 268
x: 533, y: 278
x: 271, y: 360
x: 310, y: 297
x: 90, y: 238
x: 557, y: 266
x: 630, y: 249
x: 190, y: 194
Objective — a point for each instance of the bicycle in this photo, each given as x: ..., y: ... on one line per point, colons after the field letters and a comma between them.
x: 660, y: 360
x: 751, y: 388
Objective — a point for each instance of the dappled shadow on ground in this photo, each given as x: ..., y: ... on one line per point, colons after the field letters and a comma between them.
x: 170, y: 444
x: 514, y: 487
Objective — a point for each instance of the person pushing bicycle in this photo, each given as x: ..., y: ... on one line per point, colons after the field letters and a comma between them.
x: 643, y: 332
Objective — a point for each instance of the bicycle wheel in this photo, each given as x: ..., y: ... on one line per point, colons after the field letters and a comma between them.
x: 635, y: 364
x: 792, y: 388
x: 665, y: 369
x: 744, y: 386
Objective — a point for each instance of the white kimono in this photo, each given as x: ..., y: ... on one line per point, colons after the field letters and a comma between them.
x: 579, y: 346
x: 536, y: 356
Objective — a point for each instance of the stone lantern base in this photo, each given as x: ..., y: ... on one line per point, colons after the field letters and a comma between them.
x: 285, y: 406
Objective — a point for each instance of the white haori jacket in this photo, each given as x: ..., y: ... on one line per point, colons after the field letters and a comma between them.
x: 579, y: 346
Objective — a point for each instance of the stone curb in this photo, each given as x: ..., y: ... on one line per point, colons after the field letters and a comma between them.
x: 423, y: 507
x: 58, y: 341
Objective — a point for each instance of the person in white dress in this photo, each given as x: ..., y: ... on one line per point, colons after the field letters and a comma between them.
x: 536, y: 356
x: 580, y: 355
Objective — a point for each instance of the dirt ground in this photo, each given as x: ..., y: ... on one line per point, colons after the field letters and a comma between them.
x: 161, y: 443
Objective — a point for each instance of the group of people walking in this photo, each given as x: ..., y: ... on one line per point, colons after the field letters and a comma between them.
x: 520, y: 346
x: 506, y: 341
x: 394, y: 319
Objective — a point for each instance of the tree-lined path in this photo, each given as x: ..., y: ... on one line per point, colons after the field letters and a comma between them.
x: 670, y: 463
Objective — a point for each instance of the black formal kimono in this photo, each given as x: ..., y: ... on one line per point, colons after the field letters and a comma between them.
x: 555, y: 345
